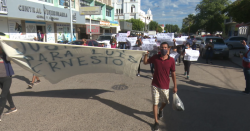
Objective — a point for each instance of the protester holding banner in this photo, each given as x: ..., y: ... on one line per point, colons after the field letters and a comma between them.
x: 84, y: 42
x: 113, y: 43
x: 246, y: 67
x: 160, y: 84
x: 209, y: 51
x: 6, y: 73
x: 187, y: 64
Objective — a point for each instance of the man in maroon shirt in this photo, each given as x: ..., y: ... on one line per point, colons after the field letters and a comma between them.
x: 160, y: 85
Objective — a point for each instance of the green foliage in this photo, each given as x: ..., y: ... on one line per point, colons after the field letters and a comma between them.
x: 153, y: 25
x: 210, y: 16
x: 171, y: 28
x: 239, y: 11
x: 159, y: 29
x: 137, y: 24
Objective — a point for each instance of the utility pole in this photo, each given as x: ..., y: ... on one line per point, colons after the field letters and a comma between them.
x: 71, y: 23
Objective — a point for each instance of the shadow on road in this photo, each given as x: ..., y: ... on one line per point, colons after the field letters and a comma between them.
x: 209, y: 108
x: 88, y: 94
x: 218, y: 63
x: 22, y: 78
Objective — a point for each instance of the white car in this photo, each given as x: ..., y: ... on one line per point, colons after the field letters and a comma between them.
x: 105, y: 39
x: 220, y: 48
x: 235, y: 42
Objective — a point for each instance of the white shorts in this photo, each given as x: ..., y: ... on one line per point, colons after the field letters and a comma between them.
x: 160, y: 94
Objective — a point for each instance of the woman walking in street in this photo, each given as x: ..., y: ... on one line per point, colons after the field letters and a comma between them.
x: 139, y: 43
x: 6, y: 73
x: 187, y: 64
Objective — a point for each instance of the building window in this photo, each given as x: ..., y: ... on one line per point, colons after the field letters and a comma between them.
x: 66, y: 3
x: 121, y: 11
x: 132, y: 8
x: 132, y: 0
x: 84, y: 3
x: 116, y: 11
x: 49, y: 1
x: 108, y: 12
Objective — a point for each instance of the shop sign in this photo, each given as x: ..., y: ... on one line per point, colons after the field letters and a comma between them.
x: 28, y: 10
x: 94, y: 29
x: 104, y: 23
x: 54, y: 15
x: 90, y: 10
x: 243, y: 30
x: 3, y: 7
x: 114, y: 23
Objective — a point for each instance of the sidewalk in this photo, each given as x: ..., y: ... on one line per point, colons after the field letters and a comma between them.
x: 235, y: 60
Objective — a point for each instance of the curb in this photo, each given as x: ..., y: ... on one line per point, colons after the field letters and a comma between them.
x: 235, y: 62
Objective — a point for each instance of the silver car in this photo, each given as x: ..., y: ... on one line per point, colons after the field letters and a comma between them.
x: 198, y: 41
x: 220, y: 48
x: 234, y: 42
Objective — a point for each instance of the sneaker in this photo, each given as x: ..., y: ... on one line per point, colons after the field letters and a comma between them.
x: 185, y: 73
x: 10, y: 111
x: 30, y: 85
x: 187, y: 77
x: 38, y: 81
x: 138, y: 75
x: 160, y: 115
x: 152, y: 78
x: 156, y: 126
x: 245, y: 93
x: 0, y: 119
x: 176, y: 63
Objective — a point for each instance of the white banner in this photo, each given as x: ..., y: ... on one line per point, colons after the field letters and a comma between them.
x: 56, y: 62
x: 184, y: 37
x: 132, y: 40
x: 180, y: 41
x: 121, y: 39
x: 174, y: 54
x: 162, y: 39
x: 122, y: 34
x: 191, y: 55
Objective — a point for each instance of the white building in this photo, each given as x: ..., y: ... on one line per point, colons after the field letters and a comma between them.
x: 128, y: 9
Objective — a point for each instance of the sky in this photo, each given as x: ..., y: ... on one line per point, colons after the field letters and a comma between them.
x: 170, y: 11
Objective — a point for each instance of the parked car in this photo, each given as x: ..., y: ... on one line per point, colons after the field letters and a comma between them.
x: 198, y: 41
x: 105, y: 39
x: 220, y: 48
x: 88, y: 41
x: 235, y: 42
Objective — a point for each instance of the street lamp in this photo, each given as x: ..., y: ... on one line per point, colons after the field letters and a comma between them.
x: 71, y: 19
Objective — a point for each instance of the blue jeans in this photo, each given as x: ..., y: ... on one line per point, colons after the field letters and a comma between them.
x: 152, y: 68
x: 209, y: 55
x: 247, y: 78
x: 122, y: 45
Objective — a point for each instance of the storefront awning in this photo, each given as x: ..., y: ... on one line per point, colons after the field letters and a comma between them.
x: 106, y: 27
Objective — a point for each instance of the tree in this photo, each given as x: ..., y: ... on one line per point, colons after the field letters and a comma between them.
x: 137, y: 24
x: 153, y: 25
x: 210, y: 16
x: 159, y: 29
x: 187, y: 22
x: 171, y: 28
x: 239, y: 11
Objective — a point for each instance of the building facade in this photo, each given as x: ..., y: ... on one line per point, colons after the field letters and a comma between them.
x: 23, y: 18
x: 131, y: 9
x: 106, y: 24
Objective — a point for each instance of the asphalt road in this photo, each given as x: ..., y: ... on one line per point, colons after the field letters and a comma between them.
x: 111, y: 102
